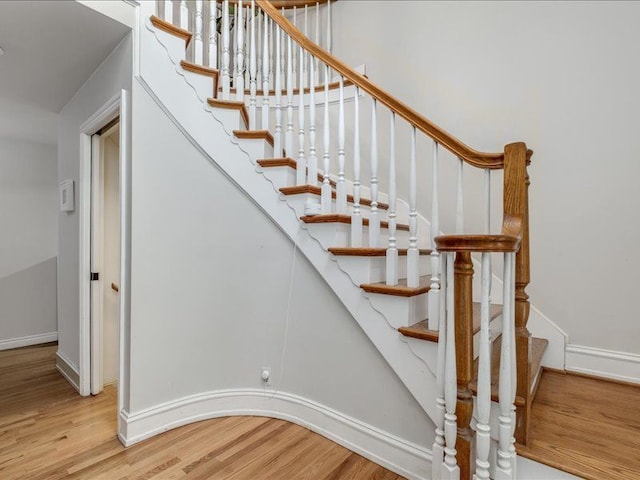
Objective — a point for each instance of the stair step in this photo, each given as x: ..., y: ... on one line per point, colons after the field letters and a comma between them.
x: 315, y: 190
x: 421, y: 331
x: 342, y: 218
x: 538, y: 347
x: 371, y: 252
x: 172, y: 29
x: 199, y: 69
x: 291, y: 163
x: 400, y: 290
x: 255, y: 134
x: 296, y: 91
x: 231, y: 105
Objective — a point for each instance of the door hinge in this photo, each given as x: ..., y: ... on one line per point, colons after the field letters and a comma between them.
x: 95, y: 276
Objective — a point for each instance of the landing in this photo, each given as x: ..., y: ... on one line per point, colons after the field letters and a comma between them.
x: 587, y: 427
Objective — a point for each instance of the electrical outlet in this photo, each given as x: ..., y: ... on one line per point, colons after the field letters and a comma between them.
x: 265, y: 375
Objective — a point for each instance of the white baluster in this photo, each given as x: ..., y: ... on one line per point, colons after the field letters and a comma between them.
x: 198, y: 42
x: 356, y: 217
x: 329, y: 27
x: 303, y: 54
x: 312, y: 170
x: 434, y: 286
x: 302, y: 161
x: 506, y: 390
x: 294, y: 58
x: 277, y: 137
x: 483, y: 398
x: 213, y: 35
x: 240, y: 54
x: 316, y: 79
x: 283, y: 53
x: 374, y: 219
x: 265, y: 75
x: 487, y: 217
x: 514, y: 368
x: 168, y: 11
x: 259, y: 45
x: 413, y: 272
x: 392, y: 249
x: 341, y: 187
x: 160, y: 9
x: 234, y: 39
x: 460, y: 199
x: 184, y: 15
x: 326, y: 184
x: 288, y: 138
x: 253, y: 81
x: 450, y: 469
x: 226, y: 57
x: 437, y: 451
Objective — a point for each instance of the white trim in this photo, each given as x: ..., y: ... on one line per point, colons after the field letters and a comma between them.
x: 603, y: 363
x: 68, y: 370
x: 18, y: 342
x: 400, y: 456
x: 114, y: 107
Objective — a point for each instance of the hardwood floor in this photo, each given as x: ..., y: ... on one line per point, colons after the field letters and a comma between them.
x: 49, y: 432
x: 587, y: 427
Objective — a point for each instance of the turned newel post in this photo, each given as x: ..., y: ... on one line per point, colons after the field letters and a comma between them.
x: 463, y: 277
x: 516, y: 204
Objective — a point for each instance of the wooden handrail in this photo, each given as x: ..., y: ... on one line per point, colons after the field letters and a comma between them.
x: 286, y: 4
x: 451, y: 143
x: 477, y: 243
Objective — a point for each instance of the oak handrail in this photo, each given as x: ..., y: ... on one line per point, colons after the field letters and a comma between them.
x: 287, y: 4
x: 456, y: 146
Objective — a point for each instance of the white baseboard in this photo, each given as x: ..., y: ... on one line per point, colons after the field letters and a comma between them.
x: 401, y: 456
x: 28, y: 340
x: 603, y: 363
x: 68, y: 370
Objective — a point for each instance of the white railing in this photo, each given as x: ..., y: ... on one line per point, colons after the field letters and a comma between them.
x: 248, y: 47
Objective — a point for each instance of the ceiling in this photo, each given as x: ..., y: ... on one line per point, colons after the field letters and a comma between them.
x: 51, y: 48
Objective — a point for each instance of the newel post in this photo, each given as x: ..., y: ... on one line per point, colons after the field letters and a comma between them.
x: 463, y: 278
x: 516, y: 203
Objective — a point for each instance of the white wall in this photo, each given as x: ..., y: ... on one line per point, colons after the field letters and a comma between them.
x: 210, y: 299
x: 29, y: 241
x: 561, y: 76
x: 111, y: 76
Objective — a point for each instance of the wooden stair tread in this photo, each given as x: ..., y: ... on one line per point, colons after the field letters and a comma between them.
x: 255, y: 134
x: 288, y: 162
x: 537, y: 349
x: 400, y: 290
x: 371, y: 252
x: 231, y: 105
x: 277, y: 162
x: 421, y: 330
x: 196, y: 68
x: 315, y: 190
x: 296, y: 91
x: 172, y: 29
x: 343, y: 218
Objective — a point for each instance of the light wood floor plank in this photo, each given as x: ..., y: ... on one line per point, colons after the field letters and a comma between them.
x: 49, y: 432
x: 585, y: 426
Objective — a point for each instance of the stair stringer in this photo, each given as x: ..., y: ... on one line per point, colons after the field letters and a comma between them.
x: 159, y: 61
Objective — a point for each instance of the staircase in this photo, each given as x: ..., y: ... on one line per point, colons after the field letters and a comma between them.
x: 457, y: 340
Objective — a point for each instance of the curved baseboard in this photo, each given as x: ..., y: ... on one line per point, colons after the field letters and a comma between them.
x: 405, y: 458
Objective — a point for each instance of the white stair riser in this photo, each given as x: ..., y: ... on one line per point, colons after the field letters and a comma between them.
x: 400, y: 311
x: 279, y: 176
x: 329, y: 236
x: 202, y: 84
x: 373, y: 269
x: 255, y: 147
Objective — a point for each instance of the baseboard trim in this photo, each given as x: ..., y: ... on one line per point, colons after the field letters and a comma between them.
x: 28, y: 340
x: 67, y: 370
x: 400, y: 456
x: 606, y: 364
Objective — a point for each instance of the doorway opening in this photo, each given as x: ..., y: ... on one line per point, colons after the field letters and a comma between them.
x: 105, y: 256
